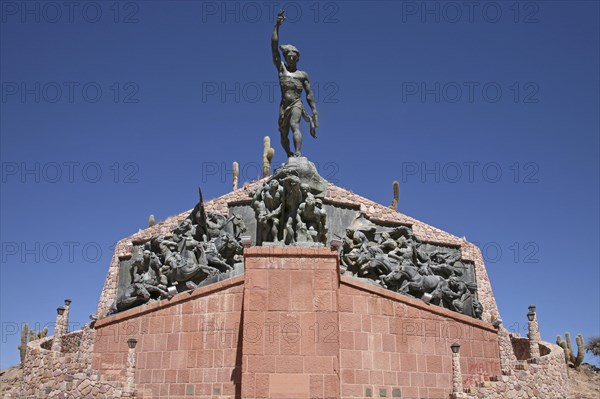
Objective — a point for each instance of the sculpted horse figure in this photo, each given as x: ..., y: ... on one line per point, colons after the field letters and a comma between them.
x: 134, y: 295
x: 406, y: 278
x: 191, y: 264
x: 376, y: 264
x: 228, y: 247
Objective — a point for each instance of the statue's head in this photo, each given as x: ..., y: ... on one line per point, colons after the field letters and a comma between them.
x: 273, y: 184
x: 185, y: 223
x: 291, y: 54
x: 157, y: 239
x: 147, y: 254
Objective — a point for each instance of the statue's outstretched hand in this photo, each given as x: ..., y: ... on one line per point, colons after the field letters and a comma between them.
x: 280, y: 17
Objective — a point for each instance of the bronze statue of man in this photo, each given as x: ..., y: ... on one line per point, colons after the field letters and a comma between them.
x: 292, y: 81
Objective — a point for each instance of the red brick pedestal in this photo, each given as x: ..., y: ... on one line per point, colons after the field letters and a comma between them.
x: 291, y: 327
x: 290, y: 323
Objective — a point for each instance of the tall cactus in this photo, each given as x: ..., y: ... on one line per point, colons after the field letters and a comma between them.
x: 28, y: 335
x: 42, y: 334
x: 236, y: 174
x: 268, y: 154
x: 580, y: 350
x: 563, y: 345
x: 396, y: 198
x: 23, y: 347
x: 570, y: 357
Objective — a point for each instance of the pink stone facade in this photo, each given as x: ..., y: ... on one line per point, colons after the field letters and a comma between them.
x: 291, y: 327
x: 188, y: 346
x: 390, y: 341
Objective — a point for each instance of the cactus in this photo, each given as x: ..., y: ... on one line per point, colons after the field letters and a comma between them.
x: 43, y: 333
x: 563, y: 345
x: 28, y: 335
x: 236, y: 174
x: 268, y: 154
x: 580, y: 350
x: 570, y: 358
x: 396, y: 198
x: 23, y: 347
x: 151, y: 221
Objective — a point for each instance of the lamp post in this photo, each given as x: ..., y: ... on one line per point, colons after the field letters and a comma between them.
x: 131, y: 359
x: 534, y: 333
x: 457, y: 384
x: 58, y: 329
x: 66, y: 316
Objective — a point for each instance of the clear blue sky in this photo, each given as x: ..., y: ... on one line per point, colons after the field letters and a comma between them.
x: 488, y: 115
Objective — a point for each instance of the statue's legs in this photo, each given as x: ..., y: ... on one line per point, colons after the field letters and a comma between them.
x: 295, y: 124
x: 288, y: 233
x: 260, y: 233
x: 275, y: 230
x: 284, y: 129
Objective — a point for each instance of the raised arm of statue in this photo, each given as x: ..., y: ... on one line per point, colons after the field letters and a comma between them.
x: 275, y: 40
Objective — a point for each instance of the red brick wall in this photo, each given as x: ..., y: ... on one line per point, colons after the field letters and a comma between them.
x: 291, y: 342
x: 292, y: 328
x: 187, y: 347
x: 392, y: 344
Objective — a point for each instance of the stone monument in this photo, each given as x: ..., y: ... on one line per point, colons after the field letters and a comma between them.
x: 292, y: 287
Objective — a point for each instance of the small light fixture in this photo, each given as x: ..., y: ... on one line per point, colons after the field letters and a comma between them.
x: 455, y: 347
x: 131, y: 342
x: 246, y: 241
x: 93, y: 317
x: 531, y: 308
x: 60, y: 310
x: 530, y: 316
x: 67, y: 302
